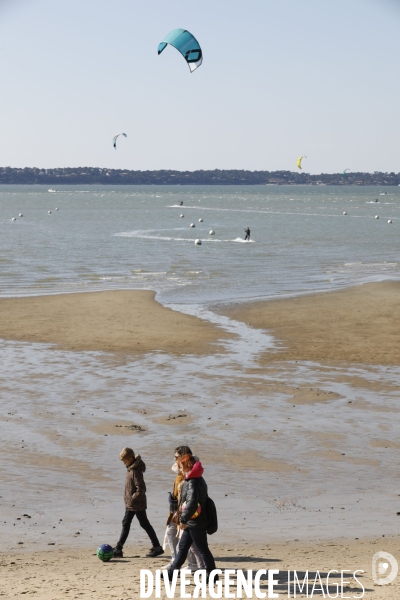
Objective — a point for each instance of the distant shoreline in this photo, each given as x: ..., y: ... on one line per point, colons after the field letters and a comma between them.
x: 97, y: 176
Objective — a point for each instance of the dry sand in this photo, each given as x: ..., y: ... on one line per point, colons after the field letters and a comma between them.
x: 79, y: 574
x: 113, y: 321
x: 360, y: 324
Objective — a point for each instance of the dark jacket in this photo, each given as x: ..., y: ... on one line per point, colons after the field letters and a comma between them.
x: 194, y: 492
x: 135, y: 487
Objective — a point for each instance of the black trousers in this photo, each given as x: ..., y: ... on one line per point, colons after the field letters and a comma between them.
x: 143, y: 522
x: 198, y: 537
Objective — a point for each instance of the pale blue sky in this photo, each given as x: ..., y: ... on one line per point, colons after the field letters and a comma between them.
x: 280, y: 78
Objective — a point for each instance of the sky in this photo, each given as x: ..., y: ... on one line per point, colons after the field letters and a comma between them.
x: 280, y: 79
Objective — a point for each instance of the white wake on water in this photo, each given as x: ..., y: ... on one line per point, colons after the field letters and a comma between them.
x: 242, y: 241
x: 149, y: 235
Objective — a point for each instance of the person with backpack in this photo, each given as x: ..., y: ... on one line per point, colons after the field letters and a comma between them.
x: 171, y: 538
x: 193, y: 519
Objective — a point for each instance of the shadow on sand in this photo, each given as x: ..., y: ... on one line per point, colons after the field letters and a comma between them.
x: 246, y: 559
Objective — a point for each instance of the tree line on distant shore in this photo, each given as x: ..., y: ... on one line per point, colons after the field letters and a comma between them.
x: 90, y: 175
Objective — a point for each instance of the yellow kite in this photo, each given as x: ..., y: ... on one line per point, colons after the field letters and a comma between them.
x: 299, y: 161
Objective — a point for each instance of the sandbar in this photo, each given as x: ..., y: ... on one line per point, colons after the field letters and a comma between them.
x: 355, y: 325
x: 127, y: 321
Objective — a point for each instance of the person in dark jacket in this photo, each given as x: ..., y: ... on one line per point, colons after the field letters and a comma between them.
x: 247, y: 232
x: 195, y: 562
x: 135, y: 503
x: 193, y: 518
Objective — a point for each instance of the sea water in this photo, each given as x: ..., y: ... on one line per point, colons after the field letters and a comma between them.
x: 132, y: 237
x: 62, y: 414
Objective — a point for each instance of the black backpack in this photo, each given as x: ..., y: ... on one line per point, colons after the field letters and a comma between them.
x: 212, y: 519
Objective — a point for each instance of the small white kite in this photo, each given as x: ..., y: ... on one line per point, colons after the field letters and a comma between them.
x: 116, y: 137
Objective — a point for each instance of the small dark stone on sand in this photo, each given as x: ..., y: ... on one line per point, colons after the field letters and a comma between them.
x: 135, y: 427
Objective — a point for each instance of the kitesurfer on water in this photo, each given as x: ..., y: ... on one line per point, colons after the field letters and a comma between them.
x: 247, y: 232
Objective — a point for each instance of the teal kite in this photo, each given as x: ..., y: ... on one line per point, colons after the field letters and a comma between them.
x: 186, y: 44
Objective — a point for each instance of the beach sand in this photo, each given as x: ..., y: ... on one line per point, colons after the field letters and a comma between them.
x: 292, y: 450
x: 79, y: 574
x: 359, y: 324
x: 113, y: 321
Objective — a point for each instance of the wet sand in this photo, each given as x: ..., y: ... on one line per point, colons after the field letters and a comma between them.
x: 62, y: 574
x: 114, y: 321
x: 357, y: 325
